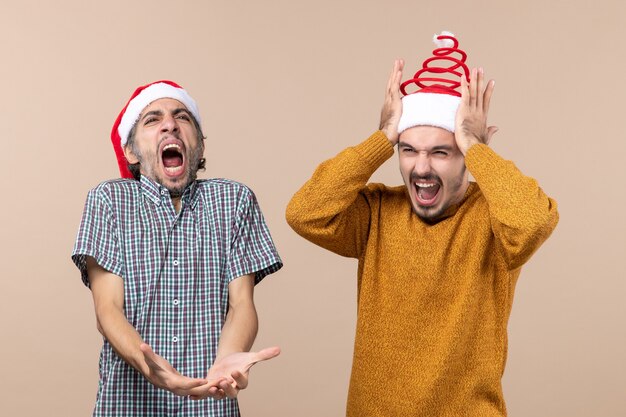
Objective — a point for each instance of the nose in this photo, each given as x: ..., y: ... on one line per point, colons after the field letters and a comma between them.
x: 422, y: 165
x: 169, y: 124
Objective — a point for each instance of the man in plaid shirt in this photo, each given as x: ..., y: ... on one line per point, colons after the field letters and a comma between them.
x: 172, y: 262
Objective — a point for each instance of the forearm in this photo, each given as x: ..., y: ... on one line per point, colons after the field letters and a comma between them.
x: 523, y: 216
x: 329, y: 207
x: 122, y: 336
x: 239, y: 331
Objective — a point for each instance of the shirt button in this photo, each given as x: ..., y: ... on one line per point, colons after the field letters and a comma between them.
x: 174, y: 339
x: 175, y: 262
x: 162, y: 192
x: 176, y: 301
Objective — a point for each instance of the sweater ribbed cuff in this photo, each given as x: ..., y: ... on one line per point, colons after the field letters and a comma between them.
x: 375, y: 150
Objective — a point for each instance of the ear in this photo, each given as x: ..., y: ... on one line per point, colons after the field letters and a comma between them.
x: 130, y: 155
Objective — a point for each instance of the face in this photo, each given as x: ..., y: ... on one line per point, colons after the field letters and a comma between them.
x: 166, y: 145
x: 433, y: 170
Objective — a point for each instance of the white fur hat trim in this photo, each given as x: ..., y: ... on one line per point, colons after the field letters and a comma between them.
x: 429, y: 109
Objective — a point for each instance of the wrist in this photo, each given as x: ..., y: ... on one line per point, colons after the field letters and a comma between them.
x: 391, y: 135
x: 465, y: 145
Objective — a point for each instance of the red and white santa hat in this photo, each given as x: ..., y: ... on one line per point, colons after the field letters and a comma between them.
x: 437, y: 99
x: 141, y: 98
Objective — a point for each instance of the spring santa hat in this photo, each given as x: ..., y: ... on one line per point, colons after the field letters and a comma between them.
x: 435, y: 103
x: 141, y: 98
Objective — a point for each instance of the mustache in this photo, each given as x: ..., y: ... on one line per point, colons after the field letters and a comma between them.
x: 430, y: 177
x: 169, y: 135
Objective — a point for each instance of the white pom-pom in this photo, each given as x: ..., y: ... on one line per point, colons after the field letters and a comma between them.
x: 443, y: 43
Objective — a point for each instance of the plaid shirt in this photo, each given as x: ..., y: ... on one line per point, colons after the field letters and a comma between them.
x: 176, y: 269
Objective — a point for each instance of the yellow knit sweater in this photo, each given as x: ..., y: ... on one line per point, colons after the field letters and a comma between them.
x: 433, y: 300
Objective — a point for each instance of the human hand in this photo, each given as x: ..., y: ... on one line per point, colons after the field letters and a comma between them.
x: 392, y: 106
x: 162, y: 374
x: 232, y: 371
x: 471, y: 116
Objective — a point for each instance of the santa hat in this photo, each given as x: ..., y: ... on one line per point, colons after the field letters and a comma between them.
x: 141, y: 98
x: 435, y: 103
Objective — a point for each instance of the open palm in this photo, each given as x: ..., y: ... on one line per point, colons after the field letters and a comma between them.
x: 233, y: 371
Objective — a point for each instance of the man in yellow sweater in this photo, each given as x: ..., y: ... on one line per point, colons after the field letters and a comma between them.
x: 439, y: 257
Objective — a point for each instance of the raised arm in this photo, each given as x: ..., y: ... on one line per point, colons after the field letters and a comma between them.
x: 108, y: 296
x: 522, y: 215
x: 331, y: 209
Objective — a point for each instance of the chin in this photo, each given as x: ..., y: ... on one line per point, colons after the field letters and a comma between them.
x: 429, y: 214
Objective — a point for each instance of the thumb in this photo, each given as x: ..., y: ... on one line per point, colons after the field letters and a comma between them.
x: 491, y: 130
x: 267, y: 353
x: 263, y: 355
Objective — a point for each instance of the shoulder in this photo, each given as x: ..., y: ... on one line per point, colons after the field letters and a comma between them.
x: 225, y: 190
x: 223, y: 185
x: 475, y: 197
x: 112, y: 190
x: 382, y: 192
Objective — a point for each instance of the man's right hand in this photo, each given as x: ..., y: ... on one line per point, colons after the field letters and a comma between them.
x: 162, y: 374
x: 392, y: 107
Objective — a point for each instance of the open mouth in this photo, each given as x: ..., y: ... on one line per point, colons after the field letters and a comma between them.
x: 173, y: 160
x: 427, y: 193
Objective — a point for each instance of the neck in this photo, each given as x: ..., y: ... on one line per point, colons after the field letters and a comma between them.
x: 176, y: 202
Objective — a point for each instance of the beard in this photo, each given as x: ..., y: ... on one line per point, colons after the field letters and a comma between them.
x: 433, y: 215
x: 176, y: 186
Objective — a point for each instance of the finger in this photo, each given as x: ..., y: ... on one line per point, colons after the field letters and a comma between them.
x: 464, y: 90
x: 480, y: 88
x: 229, y: 389
x: 240, y: 379
x: 216, y: 381
x: 397, y: 80
x: 208, y: 388
x: 199, y: 393
x: 392, y: 75
x: 399, y: 72
x: 213, y: 392
x: 217, y: 393
x: 472, y: 88
x: 488, y: 92
x: 491, y: 130
x: 189, y: 384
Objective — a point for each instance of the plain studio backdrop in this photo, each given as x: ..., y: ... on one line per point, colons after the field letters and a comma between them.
x: 282, y: 86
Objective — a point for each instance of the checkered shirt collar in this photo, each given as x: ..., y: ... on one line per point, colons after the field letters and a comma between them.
x: 156, y: 192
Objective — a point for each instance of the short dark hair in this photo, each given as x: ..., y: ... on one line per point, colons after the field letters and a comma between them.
x: 135, y: 169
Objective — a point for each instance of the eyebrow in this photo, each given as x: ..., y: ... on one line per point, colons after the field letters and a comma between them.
x: 434, y: 148
x: 152, y: 113
x: 160, y: 113
x: 180, y: 110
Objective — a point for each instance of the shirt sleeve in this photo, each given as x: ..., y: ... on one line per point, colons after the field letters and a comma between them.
x: 97, y: 236
x: 252, y: 248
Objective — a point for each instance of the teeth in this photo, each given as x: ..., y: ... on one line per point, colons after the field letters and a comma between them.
x: 171, y: 145
x: 172, y: 169
x: 425, y: 185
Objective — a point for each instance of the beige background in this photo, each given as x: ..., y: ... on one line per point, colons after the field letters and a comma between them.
x: 283, y: 85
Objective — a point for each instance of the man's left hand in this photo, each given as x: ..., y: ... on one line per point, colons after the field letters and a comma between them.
x: 233, y: 369
x: 471, y: 117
